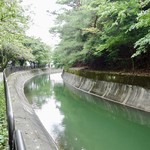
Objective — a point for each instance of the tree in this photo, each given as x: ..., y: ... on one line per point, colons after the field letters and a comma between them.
x: 13, y: 24
x: 12, y: 21
x: 70, y: 25
x: 14, y: 52
x: 103, y: 34
x: 40, y: 51
x: 15, y: 46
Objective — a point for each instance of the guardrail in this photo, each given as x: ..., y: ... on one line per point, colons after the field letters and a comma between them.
x: 19, y: 143
x: 16, y: 141
x: 11, y: 70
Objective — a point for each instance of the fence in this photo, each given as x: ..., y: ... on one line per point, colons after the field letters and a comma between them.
x: 16, y: 141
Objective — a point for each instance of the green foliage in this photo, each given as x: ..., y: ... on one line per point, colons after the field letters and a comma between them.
x: 13, y: 25
x: 3, y: 123
x: 40, y: 51
x: 14, y: 51
x: 142, y: 45
x: 143, y: 22
x: 14, y: 45
x: 102, y: 31
x: 12, y: 21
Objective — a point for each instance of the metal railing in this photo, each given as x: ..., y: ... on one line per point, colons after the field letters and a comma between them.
x: 16, y: 141
x: 11, y: 70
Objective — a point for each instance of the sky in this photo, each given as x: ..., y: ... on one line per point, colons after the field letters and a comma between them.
x: 42, y: 20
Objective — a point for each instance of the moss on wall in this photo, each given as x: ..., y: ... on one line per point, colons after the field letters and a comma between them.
x: 131, y: 79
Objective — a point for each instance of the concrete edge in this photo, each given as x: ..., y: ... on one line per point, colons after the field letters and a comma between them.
x: 135, y: 97
x: 34, y: 133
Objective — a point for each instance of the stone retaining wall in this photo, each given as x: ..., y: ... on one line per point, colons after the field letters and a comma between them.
x: 134, y: 96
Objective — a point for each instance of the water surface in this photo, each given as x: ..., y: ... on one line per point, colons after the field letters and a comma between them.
x: 78, y: 121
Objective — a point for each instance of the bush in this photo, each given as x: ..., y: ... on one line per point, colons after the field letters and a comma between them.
x: 3, y: 122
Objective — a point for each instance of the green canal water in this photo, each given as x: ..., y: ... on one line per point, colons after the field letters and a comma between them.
x: 79, y: 121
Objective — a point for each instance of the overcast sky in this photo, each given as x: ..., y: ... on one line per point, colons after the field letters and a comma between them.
x: 42, y: 20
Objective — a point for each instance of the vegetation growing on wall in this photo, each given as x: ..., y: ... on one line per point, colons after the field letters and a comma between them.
x: 3, y: 123
x: 106, y: 34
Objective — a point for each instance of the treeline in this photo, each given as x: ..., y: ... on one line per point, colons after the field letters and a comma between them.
x: 15, y: 47
x: 103, y: 34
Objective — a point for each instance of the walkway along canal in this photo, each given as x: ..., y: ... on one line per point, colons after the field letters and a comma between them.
x: 79, y: 121
x: 23, y: 117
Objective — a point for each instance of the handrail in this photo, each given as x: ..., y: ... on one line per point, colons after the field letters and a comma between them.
x: 9, y: 113
x: 19, y: 142
x: 15, y: 138
x: 11, y: 70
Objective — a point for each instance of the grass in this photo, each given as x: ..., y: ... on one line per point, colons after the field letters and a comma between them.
x: 3, y: 121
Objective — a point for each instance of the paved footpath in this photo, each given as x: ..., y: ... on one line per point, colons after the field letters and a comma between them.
x: 34, y: 134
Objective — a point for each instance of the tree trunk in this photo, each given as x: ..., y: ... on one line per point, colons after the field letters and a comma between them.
x: 133, y: 65
x: 13, y: 63
x: 78, y: 3
x: 4, y: 62
x: 21, y: 61
x: 95, y: 21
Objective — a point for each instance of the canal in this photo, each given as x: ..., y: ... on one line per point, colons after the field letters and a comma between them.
x: 79, y: 121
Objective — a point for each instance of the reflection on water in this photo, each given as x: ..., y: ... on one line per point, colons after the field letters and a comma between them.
x: 39, y: 89
x: 78, y: 121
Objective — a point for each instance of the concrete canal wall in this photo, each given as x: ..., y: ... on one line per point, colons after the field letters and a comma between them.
x: 34, y: 134
x: 132, y: 91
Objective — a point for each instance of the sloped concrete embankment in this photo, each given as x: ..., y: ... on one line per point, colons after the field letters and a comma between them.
x: 34, y: 134
x: 130, y: 95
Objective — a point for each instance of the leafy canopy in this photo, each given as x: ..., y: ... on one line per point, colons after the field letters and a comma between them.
x: 15, y: 46
x: 108, y: 31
